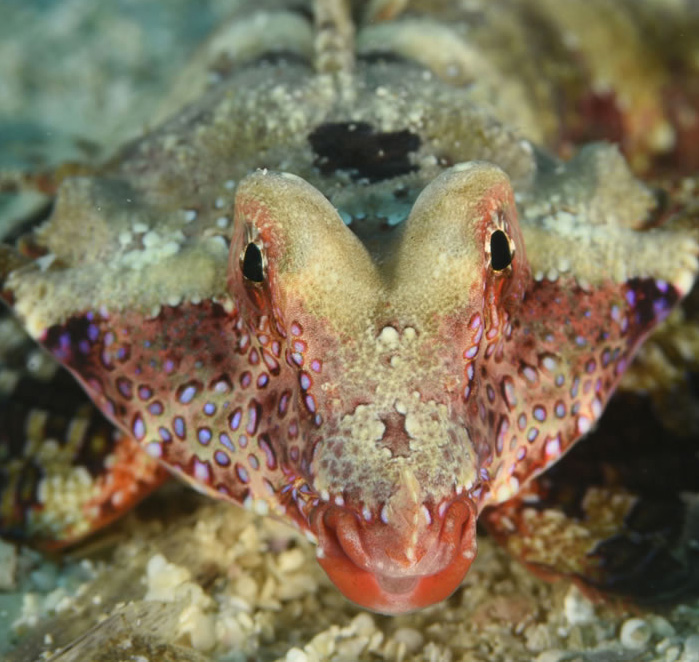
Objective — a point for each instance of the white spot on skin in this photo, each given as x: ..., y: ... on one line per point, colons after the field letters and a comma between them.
x: 125, y: 238
x: 261, y: 507
x: 584, y: 425
x: 389, y: 337
x: 553, y: 447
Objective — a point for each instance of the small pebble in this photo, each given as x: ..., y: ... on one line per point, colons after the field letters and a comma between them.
x: 635, y: 634
x: 296, y: 655
x: 691, y: 649
x: 551, y: 656
x: 578, y: 609
x: 661, y: 626
x: 411, y: 638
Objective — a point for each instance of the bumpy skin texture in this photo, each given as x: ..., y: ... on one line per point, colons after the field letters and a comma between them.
x: 376, y: 347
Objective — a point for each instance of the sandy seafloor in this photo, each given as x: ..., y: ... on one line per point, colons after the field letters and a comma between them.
x: 183, y: 578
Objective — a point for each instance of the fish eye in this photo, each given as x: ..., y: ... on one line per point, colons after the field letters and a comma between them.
x: 252, y: 263
x: 500, y: 253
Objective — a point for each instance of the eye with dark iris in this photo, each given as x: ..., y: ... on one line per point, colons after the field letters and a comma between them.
x: 500, y: 253
x: 253, y: 267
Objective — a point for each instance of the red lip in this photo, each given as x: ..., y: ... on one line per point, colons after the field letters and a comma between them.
x: 368, y: 562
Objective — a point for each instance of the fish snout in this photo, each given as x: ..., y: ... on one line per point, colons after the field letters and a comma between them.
x: 396, y: 567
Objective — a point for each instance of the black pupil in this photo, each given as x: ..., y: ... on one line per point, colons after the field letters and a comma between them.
x: 252, y: 263
x: 500, y: 255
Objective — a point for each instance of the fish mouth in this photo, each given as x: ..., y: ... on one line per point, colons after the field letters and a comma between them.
x: 373, y: 565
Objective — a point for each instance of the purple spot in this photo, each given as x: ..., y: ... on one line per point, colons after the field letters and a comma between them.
x: 580, y: 341
x: 242, y: 441
x: 310, y: 404
x: 490, y: 392
x: 529, y: 373
x: 316, y: 365
x: 169, y: 366
x: 590, y: 366
x: 266, y: 448
x: 539, y: 413
x: 271, y: 363
x: 138, y: 427
x: 253, y: 462
x: 202, y: 473
x: 226, y: 441
x: 254, y: 357
x: 245, y: 379
x: 209, y: 408
x: 305, y: 381
x: 575, y: 388
x: 84, y: 347
x: 522, y: 421
x: 93, y: 332
x: 631, y: 297
x: 122, y: 353
x: 253, y: 417
x: 222, y: 386
x: 242, y: 473
x: 204, y: 435
x: 156, y: 408
x: 560, y: 409
x: 471, y: 352
x: 145, y: 393
x: 661, y: 285
x: 187, y: 393
x: 109, y: 338
x: 164, y: 434
x: 221, y: 458
x: 262, y: 380
x: 532, y: 434
x: 110, y: 408
x: 125, y: 387
x: 234, y: 419
x: 179, y: 427
x: 283, y: 403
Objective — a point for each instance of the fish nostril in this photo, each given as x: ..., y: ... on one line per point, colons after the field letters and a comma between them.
x: 341, y: 535
x: 456, y: 529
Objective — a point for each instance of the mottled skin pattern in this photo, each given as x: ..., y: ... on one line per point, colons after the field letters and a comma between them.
x: 376, y: 347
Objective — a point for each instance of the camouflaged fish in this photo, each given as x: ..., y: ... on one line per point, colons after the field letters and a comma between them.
x: 340, y: 284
